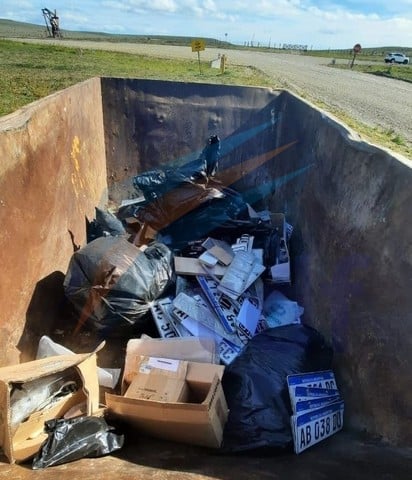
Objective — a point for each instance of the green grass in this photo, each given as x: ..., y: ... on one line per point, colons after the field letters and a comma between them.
x: 367, y: 54
x: 29, y: 72
x: 375, y: 59
x: 398, y: 72
x: 385, y: 137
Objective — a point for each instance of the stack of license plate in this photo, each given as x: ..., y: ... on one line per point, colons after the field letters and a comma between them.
x: 317, y: 408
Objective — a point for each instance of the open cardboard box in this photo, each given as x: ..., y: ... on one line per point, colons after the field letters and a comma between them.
x: 198, y: 421
x: 20, y: 442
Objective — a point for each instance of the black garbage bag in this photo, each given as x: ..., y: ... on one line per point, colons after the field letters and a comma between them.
x: 104, y: 224
x: 110, y: 282
x: 109, y: 223
x: 207, y: 164
x: 174, y: 200
x: 208, y: 218
x: 76, y: 438
x: 156, y: 183
x: 256, y: 390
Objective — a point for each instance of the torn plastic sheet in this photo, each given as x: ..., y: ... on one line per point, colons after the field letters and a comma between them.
x: 108, y: 377
x: 40, y: 394
x: 72, y: 439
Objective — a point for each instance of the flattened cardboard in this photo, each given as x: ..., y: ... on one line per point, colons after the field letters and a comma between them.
x: 18, y: 445
x: 219, y: 249
x: 208, y: 259
x: 192, y: 266
x: 200, y: 421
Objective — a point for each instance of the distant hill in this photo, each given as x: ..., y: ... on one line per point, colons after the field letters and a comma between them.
x: 9, y: 28
x: 13, y: 29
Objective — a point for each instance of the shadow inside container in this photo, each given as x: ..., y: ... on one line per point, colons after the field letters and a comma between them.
x: 47, y: 308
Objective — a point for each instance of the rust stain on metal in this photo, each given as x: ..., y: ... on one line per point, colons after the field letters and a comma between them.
x: 76, y: 176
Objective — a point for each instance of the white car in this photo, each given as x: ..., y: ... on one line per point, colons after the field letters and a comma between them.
x: 396, y: 58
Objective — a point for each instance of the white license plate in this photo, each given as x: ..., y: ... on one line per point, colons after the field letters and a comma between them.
x: 228, y: 352
x: 317, y: 425
x: 305, y: 405
x: 311, y: 393
x: 324, y: 379
x: 211, y: 295
x: 164, y: 325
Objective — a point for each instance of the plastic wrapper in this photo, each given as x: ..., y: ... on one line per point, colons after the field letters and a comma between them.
x: 279, y: 310
x: 256, y: 389
x: 70, y: 440
x: 108, y: 377
x: 110, y: 282
x: 40, y: 394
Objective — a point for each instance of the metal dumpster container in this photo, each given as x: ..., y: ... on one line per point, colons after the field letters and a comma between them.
x: 349, y: 202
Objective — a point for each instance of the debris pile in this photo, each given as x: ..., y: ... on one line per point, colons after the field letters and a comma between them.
x: 188, y: 259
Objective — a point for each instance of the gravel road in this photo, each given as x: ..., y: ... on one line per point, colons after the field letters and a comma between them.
x: 374, y: 101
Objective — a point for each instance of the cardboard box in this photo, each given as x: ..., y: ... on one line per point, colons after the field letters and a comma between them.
x: 21, y: 441
x: 199, y: 421
x: 201, y: 350
x: 159, y: 379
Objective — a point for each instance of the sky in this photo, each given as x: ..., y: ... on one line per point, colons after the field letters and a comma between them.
x: 319, y: 24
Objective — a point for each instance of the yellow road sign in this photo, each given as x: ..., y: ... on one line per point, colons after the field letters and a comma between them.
x: 198, y: 45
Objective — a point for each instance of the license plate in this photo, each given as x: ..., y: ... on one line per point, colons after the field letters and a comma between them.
x: 310, y: 393
x: 303, y: 406
x: 164, y: 325
x: 214, y: 302
x: 324, y: 379
x: 228, y: 352
x: 313, y: 427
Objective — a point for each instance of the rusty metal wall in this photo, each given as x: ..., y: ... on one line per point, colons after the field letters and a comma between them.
x: 52, y: 175
x: 352, y: 251
x: 150, y: 123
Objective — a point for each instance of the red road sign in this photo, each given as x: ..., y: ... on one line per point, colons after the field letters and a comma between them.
x: 357, y: 48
